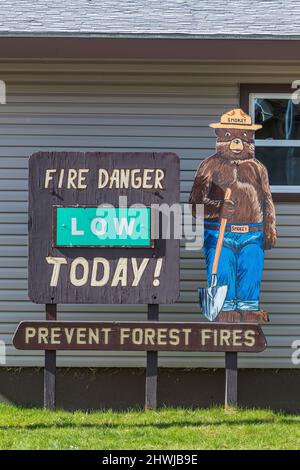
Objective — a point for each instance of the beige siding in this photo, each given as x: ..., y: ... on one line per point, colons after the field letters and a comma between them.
x: 120, y: 106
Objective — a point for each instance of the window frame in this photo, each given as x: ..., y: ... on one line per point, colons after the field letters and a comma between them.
x: 281, y: 193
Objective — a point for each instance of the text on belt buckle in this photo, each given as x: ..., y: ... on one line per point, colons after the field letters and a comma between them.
x: 239, y: 228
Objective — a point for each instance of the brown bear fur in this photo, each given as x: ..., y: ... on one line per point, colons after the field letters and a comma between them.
x: 234, y: 166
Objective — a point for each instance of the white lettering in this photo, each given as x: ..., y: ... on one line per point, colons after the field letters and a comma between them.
x: 95, y: 229
x: 74, y: 230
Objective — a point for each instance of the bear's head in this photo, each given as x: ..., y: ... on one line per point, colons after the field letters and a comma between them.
x: 235, y: 144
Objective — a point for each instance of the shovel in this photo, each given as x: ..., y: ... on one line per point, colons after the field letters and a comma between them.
x: 212, y: 298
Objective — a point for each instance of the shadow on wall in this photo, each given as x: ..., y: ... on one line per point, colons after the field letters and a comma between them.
x: 120, y: 389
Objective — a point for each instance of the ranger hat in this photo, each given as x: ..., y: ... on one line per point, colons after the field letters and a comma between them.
x: 236, y: 119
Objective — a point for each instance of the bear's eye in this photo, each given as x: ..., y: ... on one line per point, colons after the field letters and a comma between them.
x: 245, y: 134
x: 227, y: 134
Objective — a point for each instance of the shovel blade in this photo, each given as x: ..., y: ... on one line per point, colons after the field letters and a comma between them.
x: 212, y: 300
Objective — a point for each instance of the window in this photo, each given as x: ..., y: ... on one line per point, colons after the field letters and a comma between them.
x: 278, y: 142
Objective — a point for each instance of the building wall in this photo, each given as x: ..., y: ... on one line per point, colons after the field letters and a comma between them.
x: 127, y: 107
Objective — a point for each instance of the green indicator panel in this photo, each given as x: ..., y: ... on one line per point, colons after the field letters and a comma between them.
x: 102, y: 227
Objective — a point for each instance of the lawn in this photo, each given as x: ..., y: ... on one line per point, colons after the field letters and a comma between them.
x: 165, y: 429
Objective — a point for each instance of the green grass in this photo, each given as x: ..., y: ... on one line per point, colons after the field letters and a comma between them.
x: 164, y: 429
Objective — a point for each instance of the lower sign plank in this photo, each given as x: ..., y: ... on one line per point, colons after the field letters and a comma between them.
x: 139, y: 336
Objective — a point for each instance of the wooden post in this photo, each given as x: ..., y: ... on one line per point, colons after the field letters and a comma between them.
x: 231, y: 366
x: 50, y: 366
x: 151, y: 371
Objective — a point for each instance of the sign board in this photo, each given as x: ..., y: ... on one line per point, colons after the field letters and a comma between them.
x: 87, y: 247
x: 96, y: 226
x: 139, y: 336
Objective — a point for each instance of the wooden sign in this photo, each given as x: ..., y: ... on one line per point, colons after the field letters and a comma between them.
x: 87, y: 247
x: 139, y: 336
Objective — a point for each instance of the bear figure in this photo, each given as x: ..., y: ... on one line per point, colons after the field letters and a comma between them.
x: 250, y: 214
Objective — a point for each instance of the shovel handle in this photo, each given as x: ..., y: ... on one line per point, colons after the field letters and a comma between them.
x: 220, y: 237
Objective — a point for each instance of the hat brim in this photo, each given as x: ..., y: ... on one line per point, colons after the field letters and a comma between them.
x: 249, y: 127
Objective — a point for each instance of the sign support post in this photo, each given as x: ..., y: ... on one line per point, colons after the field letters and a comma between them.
x: 152, y: 365
x: 231, y: 367
x: 50, y: 366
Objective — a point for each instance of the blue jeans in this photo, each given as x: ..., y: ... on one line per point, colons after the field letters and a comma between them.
x: 240, y: 267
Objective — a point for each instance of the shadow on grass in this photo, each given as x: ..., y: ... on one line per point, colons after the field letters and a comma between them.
x: 192, y: 424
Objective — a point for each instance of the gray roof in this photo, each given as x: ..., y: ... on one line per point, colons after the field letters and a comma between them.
x: 152, y: 18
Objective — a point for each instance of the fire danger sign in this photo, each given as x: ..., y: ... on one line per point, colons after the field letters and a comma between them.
x: 92, y: 234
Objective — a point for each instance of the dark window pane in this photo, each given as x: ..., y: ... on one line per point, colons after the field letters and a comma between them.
x: 279, y: 117
x: 283, y: 164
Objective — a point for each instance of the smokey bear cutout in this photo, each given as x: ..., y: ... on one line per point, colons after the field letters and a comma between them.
x: 239, y: 222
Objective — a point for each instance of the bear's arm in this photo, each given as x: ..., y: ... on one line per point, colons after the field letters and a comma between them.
x: 269, y: 211
x: 202, y: 186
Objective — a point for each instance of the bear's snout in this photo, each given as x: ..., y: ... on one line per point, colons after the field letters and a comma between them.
x: 236, y: 145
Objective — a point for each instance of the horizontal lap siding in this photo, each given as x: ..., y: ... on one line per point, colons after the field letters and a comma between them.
x: 128, y: 107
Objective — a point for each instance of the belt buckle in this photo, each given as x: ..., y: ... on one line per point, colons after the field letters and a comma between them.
x: 240, y: 228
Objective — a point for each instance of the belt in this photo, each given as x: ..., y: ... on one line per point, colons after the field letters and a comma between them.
x: 236, y: 228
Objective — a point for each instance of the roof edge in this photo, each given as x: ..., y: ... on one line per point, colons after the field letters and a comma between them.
x: 68, y: 47
x: 128, y: 35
